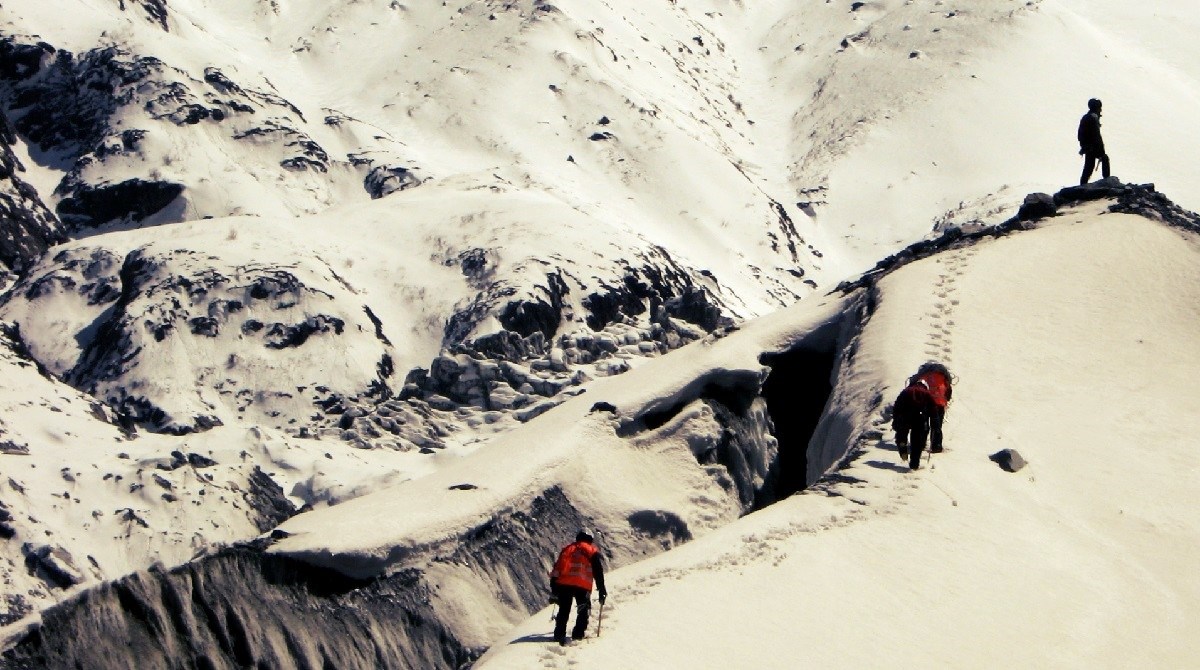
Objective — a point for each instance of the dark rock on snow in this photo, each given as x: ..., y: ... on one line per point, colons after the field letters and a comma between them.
x: 53, y: 564
x: 384, y: 180
x: 1036, y: 206
x: 133, y: 200
x: 1008, y: 459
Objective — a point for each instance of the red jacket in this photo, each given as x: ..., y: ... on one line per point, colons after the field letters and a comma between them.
x: 574, y: 565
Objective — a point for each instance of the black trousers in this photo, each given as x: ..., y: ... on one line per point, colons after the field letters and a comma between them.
x: 914, y: 436
x: 582, y: 598
x: 936, y: 416
x: 1089, y: 164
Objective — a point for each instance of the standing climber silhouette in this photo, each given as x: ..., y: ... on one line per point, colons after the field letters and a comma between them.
x: 1091, y: 144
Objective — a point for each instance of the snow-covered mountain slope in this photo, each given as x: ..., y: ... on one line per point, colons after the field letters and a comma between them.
x: 334, y: 247
x: 82, y: 500
x: 741, y: 138
x: 736, y: 154
x: 669, y: 451
x: 1072, y: 344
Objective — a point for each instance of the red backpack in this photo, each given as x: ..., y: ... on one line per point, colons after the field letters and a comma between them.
x: 574, y: 565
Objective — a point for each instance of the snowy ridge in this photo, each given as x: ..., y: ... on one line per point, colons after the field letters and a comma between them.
x: 1062, y: 554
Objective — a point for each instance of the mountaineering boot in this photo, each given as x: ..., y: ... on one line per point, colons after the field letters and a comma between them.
x: 902, y: 447
x: 914, y: 463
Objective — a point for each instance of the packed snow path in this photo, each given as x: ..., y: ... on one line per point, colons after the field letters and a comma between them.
x: 1073, y: 344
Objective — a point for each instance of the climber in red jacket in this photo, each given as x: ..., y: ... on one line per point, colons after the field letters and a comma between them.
x: 571, y: 579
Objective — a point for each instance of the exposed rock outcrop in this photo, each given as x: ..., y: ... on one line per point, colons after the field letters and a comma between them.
x: 132, y: 200
x: 384, y: 180
x: 27, y: 226
x: 1009, y: 460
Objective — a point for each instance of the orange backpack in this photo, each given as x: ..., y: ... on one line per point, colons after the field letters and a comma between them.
x: 574, y: 565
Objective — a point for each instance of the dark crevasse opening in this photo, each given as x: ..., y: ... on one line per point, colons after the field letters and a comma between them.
x: 796, y: 391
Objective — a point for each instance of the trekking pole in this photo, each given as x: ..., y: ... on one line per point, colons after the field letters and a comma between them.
x: 599, y: 619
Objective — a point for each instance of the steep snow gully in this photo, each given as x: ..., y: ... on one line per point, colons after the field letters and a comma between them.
x: 246, y: 607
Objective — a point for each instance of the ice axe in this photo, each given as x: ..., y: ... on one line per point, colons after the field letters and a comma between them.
x: 600, y: 619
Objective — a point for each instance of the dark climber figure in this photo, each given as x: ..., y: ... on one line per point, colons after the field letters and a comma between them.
x: 1091, y: 144
x: 919, y: 410
x: 939, y: 381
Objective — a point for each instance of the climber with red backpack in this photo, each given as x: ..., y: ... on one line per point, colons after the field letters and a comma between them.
x: 919, y: 411
x: 938, y: 380
x: 578, y: 565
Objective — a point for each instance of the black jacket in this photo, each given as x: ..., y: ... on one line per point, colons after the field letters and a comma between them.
x: 912, y: 407
x: 1090, y: 141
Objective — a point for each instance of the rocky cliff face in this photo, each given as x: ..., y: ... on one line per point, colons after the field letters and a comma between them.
x: 27, y: 226
x: 109, y: 115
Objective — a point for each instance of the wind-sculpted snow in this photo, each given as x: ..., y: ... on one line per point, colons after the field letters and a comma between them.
x: 648, y: 460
